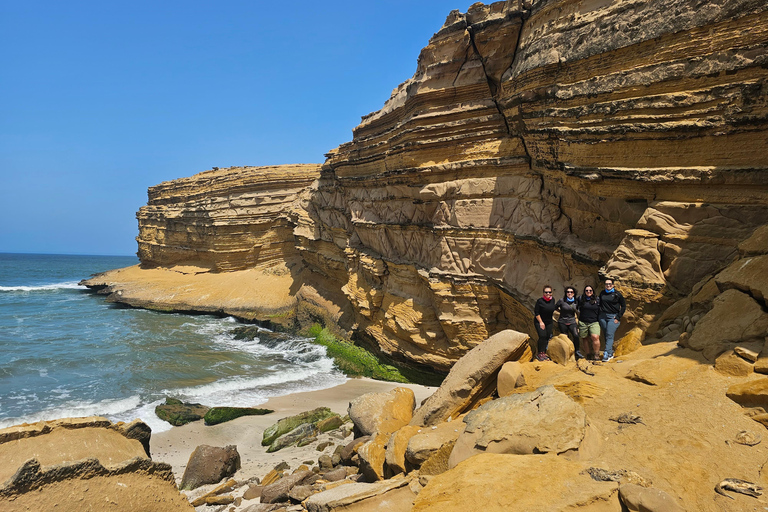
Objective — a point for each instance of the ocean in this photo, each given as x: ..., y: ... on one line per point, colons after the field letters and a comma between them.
x: 66, y: 352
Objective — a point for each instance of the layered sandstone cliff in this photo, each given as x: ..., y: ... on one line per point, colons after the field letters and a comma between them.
x: 547, y: 142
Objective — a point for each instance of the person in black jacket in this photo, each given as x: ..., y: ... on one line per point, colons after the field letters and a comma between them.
x: 612, y: 307
x: 542, y: 312
x: 589, y: 327
x: 567, y: 321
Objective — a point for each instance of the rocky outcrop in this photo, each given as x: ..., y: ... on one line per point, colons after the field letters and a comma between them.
x: 538, y: 142
x: 79, y: 464
x: 223, y: 219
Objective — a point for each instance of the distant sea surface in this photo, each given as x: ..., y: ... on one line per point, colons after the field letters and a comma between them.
x: 65, y: 352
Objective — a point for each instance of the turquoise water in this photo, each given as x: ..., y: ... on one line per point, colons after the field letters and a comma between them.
x: 66, y: 352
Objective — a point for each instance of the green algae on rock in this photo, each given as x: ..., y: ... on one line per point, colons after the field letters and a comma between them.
x: 218, y: 415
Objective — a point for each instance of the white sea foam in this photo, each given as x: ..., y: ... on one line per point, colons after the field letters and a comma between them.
x: 75, y: 409
x: 68, y: 285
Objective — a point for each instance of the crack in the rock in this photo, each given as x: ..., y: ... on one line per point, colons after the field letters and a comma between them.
x: 491, y: 84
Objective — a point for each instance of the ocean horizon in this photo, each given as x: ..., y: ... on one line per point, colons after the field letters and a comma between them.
x: 66, y: 352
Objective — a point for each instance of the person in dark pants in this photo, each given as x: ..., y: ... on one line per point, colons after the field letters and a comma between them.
x: 567, y: 321
x: 542, y: 312
x: 589, y: 327
x: 612, y: 307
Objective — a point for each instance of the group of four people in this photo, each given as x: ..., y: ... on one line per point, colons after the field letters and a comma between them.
x: 582, y: 318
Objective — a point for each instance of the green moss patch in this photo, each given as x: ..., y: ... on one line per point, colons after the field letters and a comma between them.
x: 216, y: 415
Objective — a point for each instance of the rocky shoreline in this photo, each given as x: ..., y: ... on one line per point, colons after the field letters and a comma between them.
x: 658, y: 427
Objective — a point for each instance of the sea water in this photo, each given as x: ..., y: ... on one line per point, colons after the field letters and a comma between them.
x: 66, y: 352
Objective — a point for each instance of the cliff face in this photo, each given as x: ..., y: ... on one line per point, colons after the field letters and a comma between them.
x: 223, y: 219
x: 548, y: 144
x: 545, y: 143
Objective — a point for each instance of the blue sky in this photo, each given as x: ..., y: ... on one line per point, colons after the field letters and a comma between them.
x: 100, y: 100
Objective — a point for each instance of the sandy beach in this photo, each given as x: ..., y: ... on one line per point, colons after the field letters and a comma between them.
x: 174, y: 446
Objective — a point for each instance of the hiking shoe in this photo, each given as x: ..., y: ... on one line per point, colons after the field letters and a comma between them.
x: 542, y: 356
x: 579, y: 355
x: 607, y: 357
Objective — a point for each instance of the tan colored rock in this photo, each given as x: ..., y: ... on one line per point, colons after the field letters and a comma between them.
x: 437, y: 462
x: 560, y: 349
x: 430, y: 439
x: 753, y: 393
x: 472, y: 378
x: 642, y: 499
x: 498, y: 482
x: 540, y: 421
x: 581, y: 391
x: 271, y: 477
x: 628, y: 343
x: 278, y: 491
x: 382, y: 412
x: 749, y: 275
x: 372, y: 457
x: 660, y: 370
x: 135, y: 485
x: 396, y: 446
x: 761, y: 365
x: 510, y: 377
x: 729, y: 363
x: 391, y: 495
x: 735, y: 317
x: 756, y: 244
x: 749, y: 351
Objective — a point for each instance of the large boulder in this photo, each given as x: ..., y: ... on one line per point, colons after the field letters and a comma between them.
x: 209, y: 465
x: 396, y: 446
x: 472, y: 378
x: 747, y: 274
x: 542, y: 421
x: 372, y: 456
x: 430, y: 439
x: 382, y: 412
x: 510, y: 377
x: 285, y: 425
x: 560, y: 349
x: 533, y: 483
x: 734, y: 317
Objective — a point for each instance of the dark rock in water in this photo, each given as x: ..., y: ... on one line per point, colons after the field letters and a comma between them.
x: 178, y: 413
x: 294, y: 436
x: 210, y: 464
x: 267, y: 338
x: 218, y: 415
x: 285, y: 425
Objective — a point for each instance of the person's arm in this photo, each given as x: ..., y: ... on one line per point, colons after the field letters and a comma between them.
x: 537, y: 314
x: 623, y: 305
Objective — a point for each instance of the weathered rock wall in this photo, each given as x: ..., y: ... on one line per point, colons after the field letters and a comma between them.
x: 551, y: 142
x: 540, y: 145
x: 223, y: 219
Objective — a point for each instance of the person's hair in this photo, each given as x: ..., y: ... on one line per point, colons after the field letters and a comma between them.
x: 608, y: 279
x: 584, y: 297
x: 547, y: 286
x: 565, y: 293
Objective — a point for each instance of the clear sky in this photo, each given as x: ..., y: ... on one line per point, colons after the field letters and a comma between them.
x: 100, y: 100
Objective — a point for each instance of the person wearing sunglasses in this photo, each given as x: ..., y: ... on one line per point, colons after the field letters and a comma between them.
x: 612, y: 307
x: 568, y: 307
x: 542, y: 312
x: 589, y: 325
